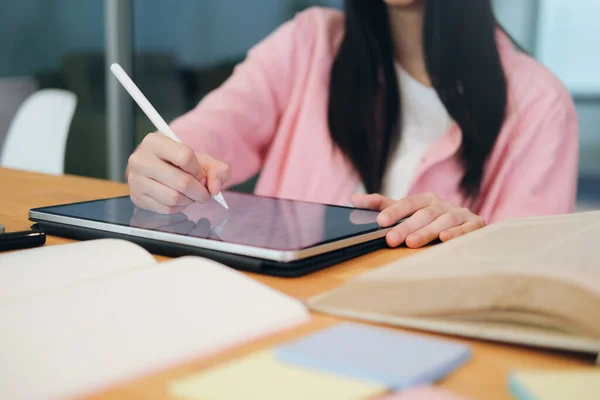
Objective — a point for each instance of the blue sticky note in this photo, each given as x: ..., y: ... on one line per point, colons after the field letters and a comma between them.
x: 391, y: 358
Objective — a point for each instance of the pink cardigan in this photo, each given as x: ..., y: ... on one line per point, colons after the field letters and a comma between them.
x: 271, y: 116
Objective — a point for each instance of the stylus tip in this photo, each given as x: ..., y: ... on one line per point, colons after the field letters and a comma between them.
x: 221, y: 200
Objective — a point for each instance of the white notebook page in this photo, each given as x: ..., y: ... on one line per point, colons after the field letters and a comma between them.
x: 117, y: 327
x: 23, y: 273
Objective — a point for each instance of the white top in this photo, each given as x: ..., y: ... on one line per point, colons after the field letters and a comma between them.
x: 424, y: 119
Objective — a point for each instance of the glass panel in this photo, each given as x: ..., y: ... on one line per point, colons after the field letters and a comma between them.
x: 57, y: 44
x: 568, y: 38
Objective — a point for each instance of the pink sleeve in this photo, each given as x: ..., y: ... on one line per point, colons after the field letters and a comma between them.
x: 537, y: 175
x: 236, y: 123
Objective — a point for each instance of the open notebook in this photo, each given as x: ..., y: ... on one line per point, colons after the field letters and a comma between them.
x: 80, y: 317
x: 532, y: 281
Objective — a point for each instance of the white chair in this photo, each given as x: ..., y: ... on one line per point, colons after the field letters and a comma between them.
x: 37, y: 136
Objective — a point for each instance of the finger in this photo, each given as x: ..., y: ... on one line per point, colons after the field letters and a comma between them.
x: 146, y: 202
x: 371, y: 201
x: 217, y: 172
x: 404, y: 208
x: 432, y: 231
x: 175, y: 153
x: 417, y: 221
x: 169, y: 175
x: 463, y: 229
x: 162, y: 193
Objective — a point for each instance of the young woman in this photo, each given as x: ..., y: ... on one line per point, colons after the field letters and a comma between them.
x: 426, y: 102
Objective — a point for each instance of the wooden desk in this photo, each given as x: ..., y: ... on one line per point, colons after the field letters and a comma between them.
x: 484, y: 377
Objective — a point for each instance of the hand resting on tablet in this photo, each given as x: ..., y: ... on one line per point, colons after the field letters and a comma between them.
x: 427, y: 218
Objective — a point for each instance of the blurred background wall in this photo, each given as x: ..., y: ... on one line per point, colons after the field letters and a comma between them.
x: 182, y: 49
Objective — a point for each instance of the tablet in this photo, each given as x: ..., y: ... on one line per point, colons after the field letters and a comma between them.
x: 261, y: 234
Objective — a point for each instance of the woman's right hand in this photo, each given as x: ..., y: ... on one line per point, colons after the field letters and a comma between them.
x: 165, y: 176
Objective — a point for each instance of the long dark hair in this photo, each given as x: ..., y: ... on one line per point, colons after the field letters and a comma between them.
x: 463, y: 64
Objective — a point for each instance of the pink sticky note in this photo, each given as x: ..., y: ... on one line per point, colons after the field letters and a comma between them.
x: 422, y: 393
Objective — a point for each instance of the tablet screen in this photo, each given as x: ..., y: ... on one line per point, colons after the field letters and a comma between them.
x: 251, y: 220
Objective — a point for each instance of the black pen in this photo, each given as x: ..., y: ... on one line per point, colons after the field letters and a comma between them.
x: 21, y: 240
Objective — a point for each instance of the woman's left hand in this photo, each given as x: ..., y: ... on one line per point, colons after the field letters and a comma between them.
x: 428, y: 218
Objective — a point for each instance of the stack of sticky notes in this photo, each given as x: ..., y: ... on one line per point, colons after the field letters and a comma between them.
x: 391, y: 358
x: 579, y: 384
x: 262, y: 376
x: 348, y: 361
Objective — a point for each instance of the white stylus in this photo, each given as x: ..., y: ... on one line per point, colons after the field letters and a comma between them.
x: 151, y: 112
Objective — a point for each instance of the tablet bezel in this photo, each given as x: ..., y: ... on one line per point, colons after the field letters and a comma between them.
x: 284, y: 256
